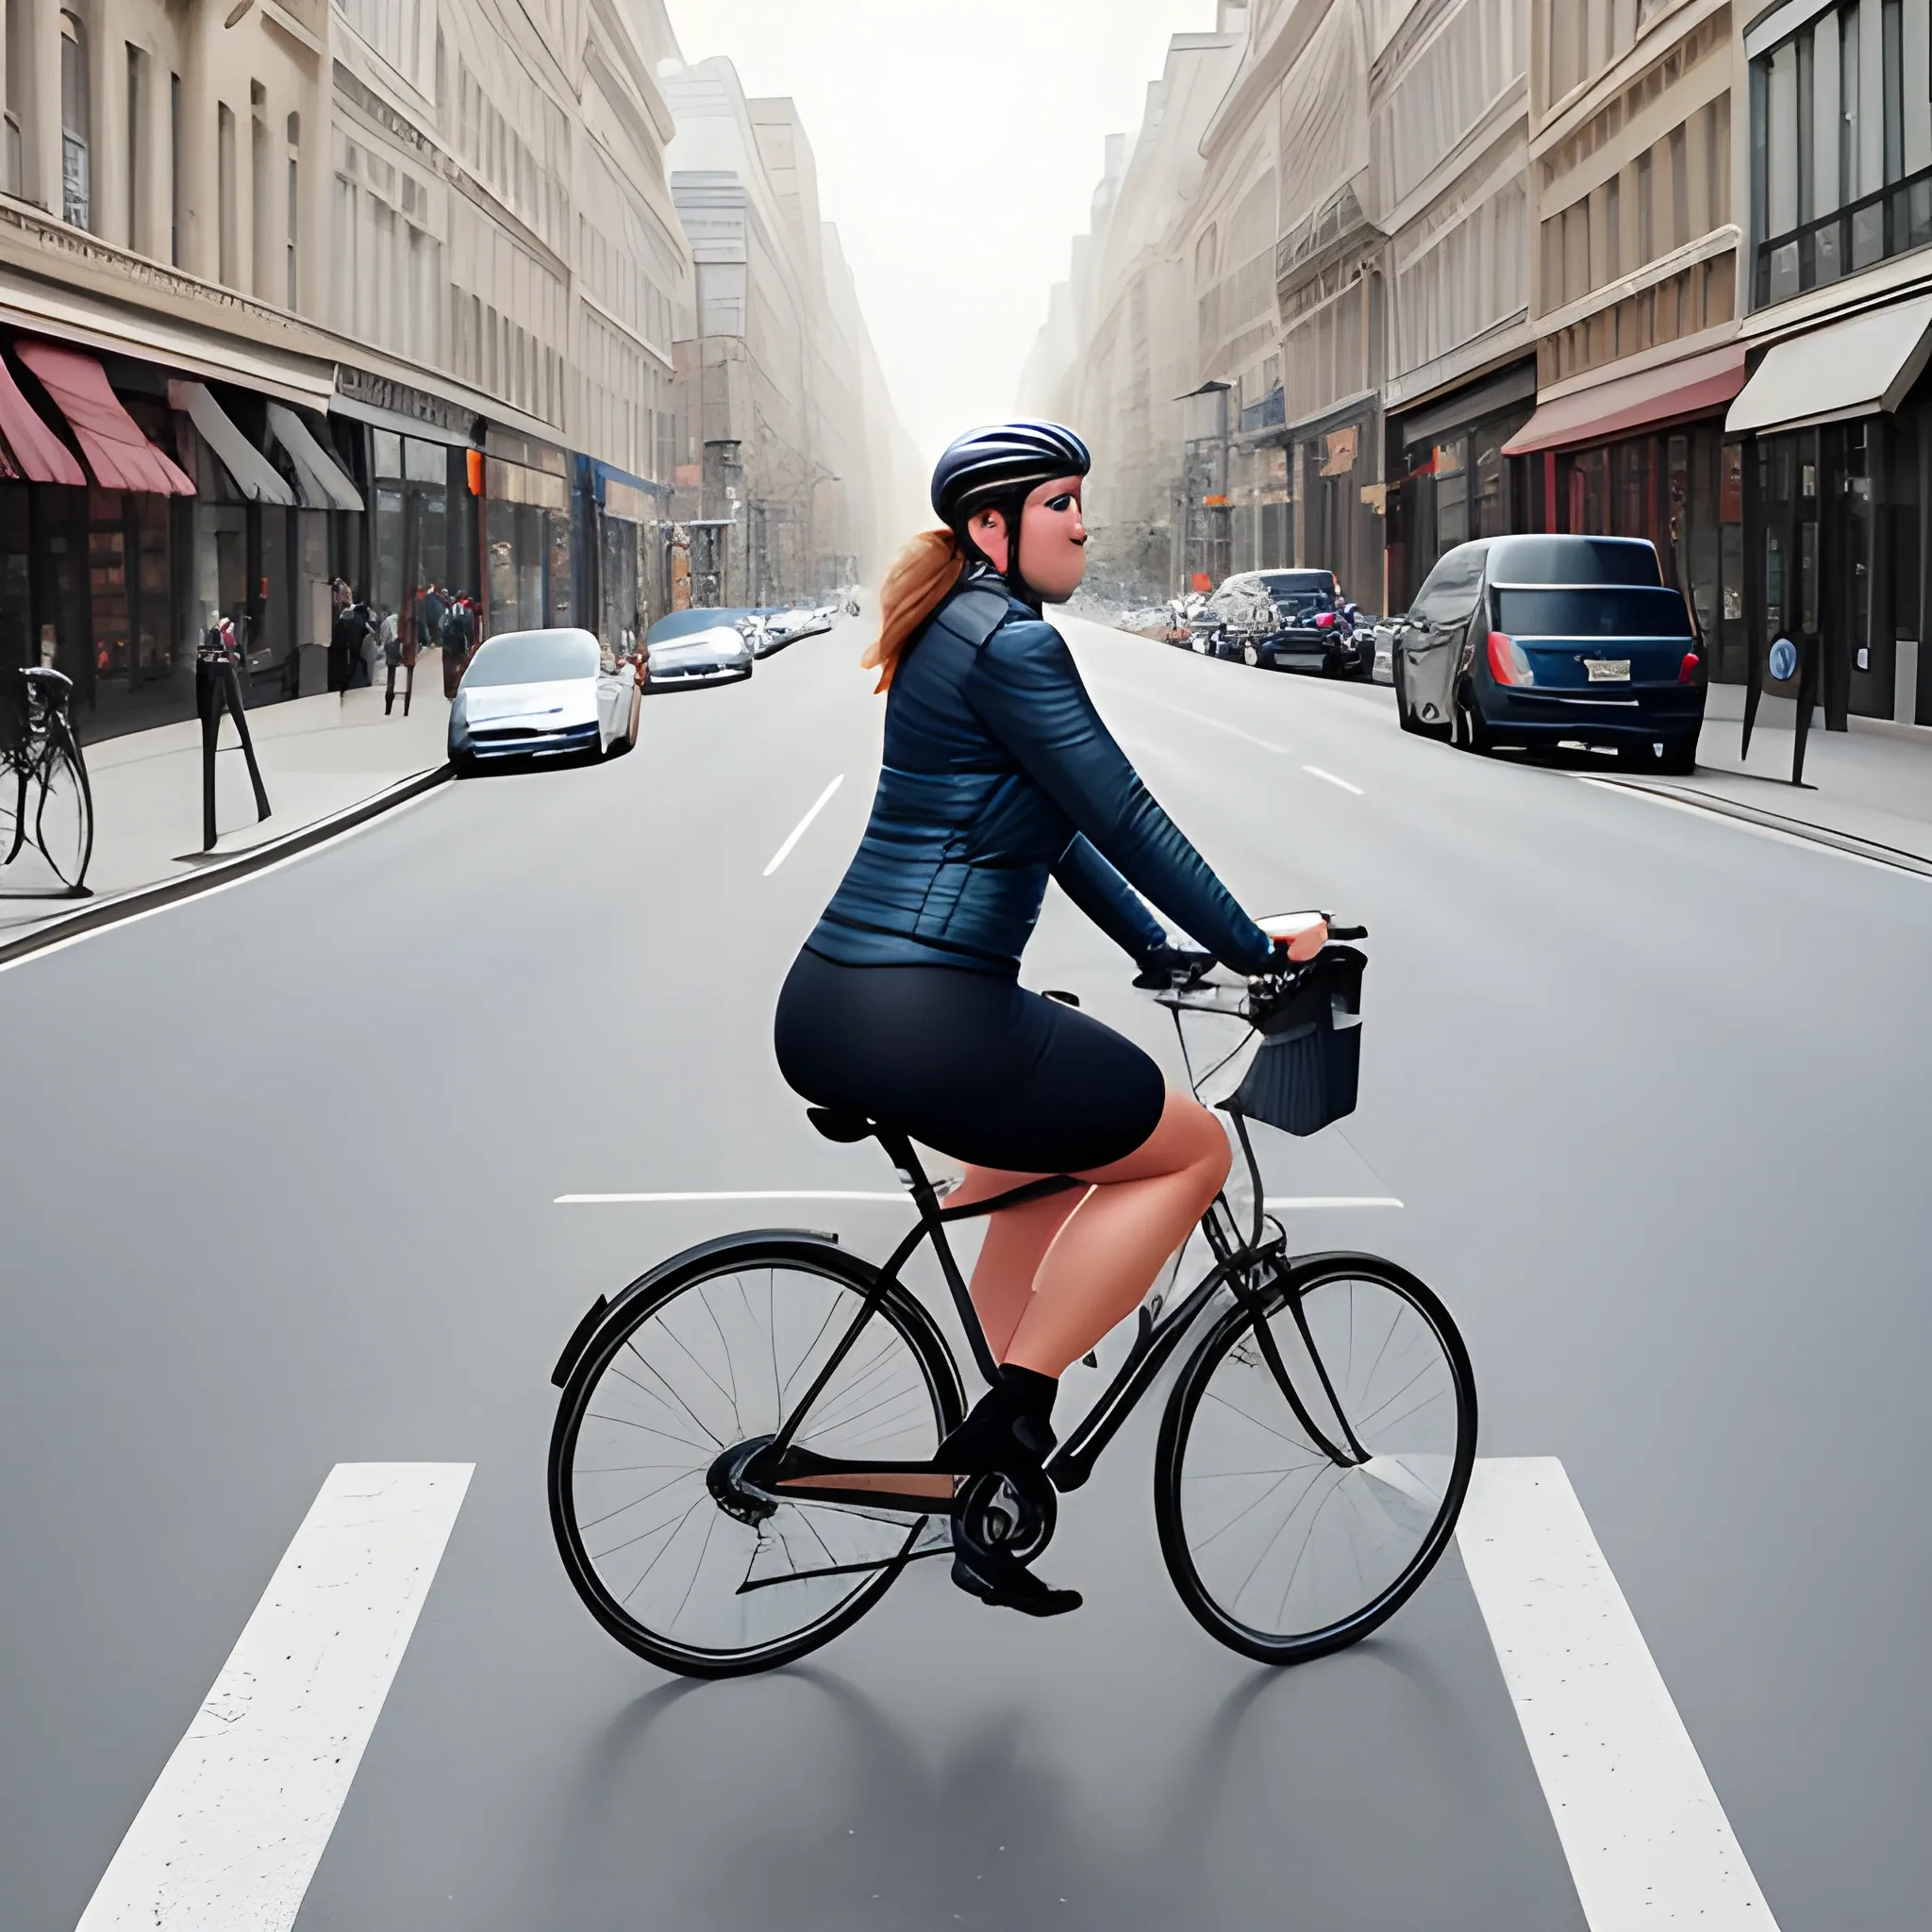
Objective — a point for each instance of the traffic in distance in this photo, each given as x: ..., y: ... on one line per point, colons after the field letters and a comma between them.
x: 531, y: 696
x: 1514, y: 643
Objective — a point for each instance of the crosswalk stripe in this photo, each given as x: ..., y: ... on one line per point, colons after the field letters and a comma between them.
x: 1647, y: 1841
x: 230, y: 1836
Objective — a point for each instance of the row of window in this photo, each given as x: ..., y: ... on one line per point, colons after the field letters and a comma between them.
x: 1677, y: 190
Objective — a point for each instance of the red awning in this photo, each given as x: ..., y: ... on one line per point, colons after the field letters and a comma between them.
x: 38, y: 455
x: 116, y: 449
x: 1629, y: 405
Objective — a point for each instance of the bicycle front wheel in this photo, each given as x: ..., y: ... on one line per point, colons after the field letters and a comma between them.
x: 64, y: 824
x: 1304, y: 1485
x: 707, y: 1360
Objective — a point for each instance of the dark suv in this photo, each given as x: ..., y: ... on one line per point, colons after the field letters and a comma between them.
x: 1534, y: 642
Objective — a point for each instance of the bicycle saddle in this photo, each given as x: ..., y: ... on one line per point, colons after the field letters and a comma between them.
x: 835, y: 1124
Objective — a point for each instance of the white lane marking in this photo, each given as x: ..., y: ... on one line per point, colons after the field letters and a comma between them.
x: 230, y: 1836
x: 1284, y: 1201
x: 1147, y: 697
x: 387, y: 816
x: 1647, y: 1841
x: 804, y: 826
x: 1316, y: 772
x: 1331, y: 1201
x: 737, y: 1194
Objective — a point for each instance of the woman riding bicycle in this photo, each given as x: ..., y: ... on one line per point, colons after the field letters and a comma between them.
x: 905, y: 1004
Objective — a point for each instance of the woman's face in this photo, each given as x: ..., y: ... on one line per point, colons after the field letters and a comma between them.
x: 1053, y: 538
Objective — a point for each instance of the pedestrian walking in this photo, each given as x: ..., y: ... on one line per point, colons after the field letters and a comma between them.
x: 459, y: 643
x: 348, y: 638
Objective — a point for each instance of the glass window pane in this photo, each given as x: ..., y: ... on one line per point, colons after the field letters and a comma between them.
x: 1783, y: 128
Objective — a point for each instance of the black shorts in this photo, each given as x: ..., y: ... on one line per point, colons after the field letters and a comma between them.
x: 968, y: 1062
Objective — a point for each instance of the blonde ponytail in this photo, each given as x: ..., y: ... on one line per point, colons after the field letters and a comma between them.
x: 918, y: 583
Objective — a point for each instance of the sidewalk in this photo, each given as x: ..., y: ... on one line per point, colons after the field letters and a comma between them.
x: 318, y: 756
x: 1869, y: 786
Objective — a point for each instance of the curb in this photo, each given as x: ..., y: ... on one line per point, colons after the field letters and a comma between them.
x: 1894, y: 855
x: 144, y: 899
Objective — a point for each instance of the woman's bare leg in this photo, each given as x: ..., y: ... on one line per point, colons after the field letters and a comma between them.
x: 1108, y: 1248
x: 1016, y: 1240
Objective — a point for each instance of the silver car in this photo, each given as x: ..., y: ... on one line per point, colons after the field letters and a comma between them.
x: 701, y: 653
x: 541, y: 694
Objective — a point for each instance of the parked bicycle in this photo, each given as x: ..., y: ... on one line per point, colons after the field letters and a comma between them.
x: 50, y: 800
x: 741, y: 1465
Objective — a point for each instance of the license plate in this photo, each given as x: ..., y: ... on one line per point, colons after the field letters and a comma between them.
x: 1607, y: 670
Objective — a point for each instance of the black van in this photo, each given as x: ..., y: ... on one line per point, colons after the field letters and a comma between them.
x: 1531, y: 641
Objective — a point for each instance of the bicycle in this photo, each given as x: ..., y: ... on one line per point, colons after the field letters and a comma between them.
x: 766, y: 1405
x: 39, y: 747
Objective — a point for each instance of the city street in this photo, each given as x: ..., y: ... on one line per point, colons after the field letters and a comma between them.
x: 281, y: 1177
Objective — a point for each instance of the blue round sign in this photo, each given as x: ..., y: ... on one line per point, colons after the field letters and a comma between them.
x: 1784, y: 658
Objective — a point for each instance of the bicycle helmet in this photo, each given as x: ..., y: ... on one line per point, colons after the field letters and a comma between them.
x: 996, y: 468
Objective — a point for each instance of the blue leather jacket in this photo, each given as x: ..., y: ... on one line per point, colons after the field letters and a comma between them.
x: 998, y: 773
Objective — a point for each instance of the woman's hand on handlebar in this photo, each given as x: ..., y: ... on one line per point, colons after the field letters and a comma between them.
x: 1303, y: 947
x: 1170, y: 966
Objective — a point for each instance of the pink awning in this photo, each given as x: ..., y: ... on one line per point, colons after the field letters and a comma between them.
x: 1629, y: 405
x: 38, y: 455
x: 116, y: 449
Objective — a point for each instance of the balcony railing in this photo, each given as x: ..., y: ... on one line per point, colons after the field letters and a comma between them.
x: 1891, y: 222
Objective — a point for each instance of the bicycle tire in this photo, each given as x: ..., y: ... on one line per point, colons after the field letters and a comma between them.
x: 68, y: 844
x: 802, y: 1258
x: 1306, y: 1278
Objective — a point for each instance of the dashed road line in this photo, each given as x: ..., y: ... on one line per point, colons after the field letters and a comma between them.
x: 804, y: 826
x: 1647, y: 1841
x: 233, y: 1830
x: 1329, y: 777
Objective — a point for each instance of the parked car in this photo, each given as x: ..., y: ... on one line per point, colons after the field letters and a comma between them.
x: 697, y: 647
x: 788, y: 624
x: 530, y: 694
x: 1535, y: 641
x: 1313, y: 626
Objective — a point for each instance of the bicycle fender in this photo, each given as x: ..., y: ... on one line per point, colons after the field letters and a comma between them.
x: 594, y: 1316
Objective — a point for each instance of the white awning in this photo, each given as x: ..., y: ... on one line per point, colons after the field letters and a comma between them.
x: 318, y: 475
x: 1854, y: 367
x: 255, y: 476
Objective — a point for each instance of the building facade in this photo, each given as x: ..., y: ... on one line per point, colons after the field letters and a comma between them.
x: 300, y: 291
x: 780, y: 498
x: 1657, y: 268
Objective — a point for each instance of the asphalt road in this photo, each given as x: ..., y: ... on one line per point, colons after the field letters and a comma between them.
x: 278, y: 1178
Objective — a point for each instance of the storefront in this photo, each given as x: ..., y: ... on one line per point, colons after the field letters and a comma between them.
x: 529, y: 517
x: 1644, y: 455
x: 1836, y: 480
x: 629, y: 592
x: 1260, y: 511
x: 1338, y: 523
x: 1452, y: 481
x: 94, y: 522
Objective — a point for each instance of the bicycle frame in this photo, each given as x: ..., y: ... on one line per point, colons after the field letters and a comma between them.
x: 1073, y: 1462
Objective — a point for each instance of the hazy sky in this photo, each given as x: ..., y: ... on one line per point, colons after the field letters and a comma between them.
x: 957, y: 147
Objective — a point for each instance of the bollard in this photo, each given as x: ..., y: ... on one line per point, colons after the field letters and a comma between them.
x: 218, y: 689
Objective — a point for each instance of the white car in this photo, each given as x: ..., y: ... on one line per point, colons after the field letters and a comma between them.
x: 686, y: 648
x: 541, y: 694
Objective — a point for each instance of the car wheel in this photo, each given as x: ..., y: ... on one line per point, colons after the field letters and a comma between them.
x: 463, y: 764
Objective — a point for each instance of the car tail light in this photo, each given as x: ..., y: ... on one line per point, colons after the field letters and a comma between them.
x: 1326, y: 621
x: 1508, y: 662
x: 1688, y: 670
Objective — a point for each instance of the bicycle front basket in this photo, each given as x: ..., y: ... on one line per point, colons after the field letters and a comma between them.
x: 1309, y: 1068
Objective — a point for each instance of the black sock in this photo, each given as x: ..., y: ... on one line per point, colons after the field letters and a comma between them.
x: 1031, y: 1396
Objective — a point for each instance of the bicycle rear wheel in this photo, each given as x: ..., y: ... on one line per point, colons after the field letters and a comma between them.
x: 1294, y: 1526
x: 64, y: 822
x: 708, y: 1358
